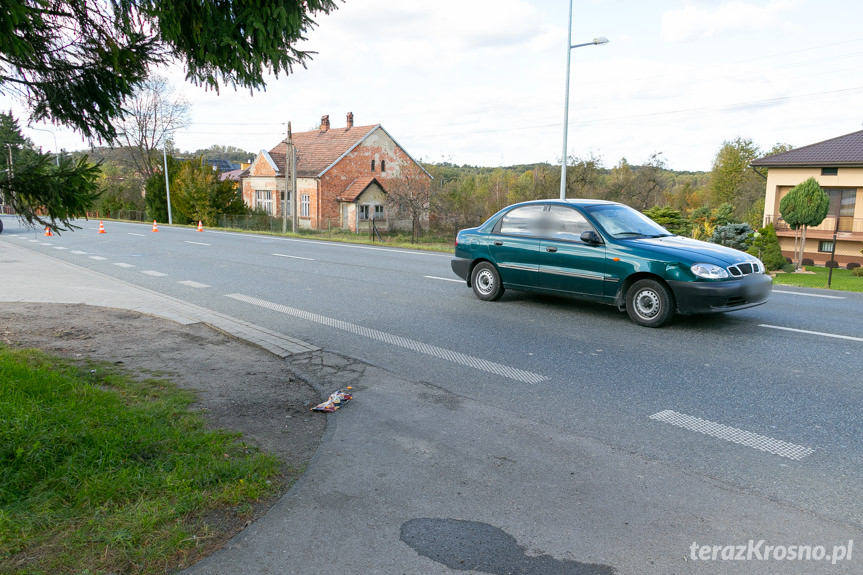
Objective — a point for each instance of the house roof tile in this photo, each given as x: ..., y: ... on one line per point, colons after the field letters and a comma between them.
x: 845, y: 150
x: 357, y: 187
x: 317, y: 150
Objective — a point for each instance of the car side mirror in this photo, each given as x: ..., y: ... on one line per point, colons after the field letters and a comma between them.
x: 590, y: 237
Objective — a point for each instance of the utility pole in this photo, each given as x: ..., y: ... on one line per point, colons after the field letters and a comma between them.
x: 284, y: 206
x: 167, y: 184
x: 292, y: 160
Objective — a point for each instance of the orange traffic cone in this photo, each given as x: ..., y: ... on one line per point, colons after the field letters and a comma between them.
x: 48, y: 232
x: 155, y: 227
x: 200, y: 226
x: 101, y: 227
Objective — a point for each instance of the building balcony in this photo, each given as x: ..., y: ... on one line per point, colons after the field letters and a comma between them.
x: 849, y: 228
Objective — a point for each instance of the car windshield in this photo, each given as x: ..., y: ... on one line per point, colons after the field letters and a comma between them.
x: 624, y: 222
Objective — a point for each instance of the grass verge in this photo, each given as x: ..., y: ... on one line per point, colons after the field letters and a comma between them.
x: 842, y: 279
x: 100, y: 473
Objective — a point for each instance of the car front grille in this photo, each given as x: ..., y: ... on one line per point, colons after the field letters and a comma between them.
x: 743, y: 269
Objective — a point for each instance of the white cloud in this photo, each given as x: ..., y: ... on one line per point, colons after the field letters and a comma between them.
x: 706, y: 20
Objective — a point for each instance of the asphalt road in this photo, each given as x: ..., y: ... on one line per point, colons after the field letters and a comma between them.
x: 766, y: 400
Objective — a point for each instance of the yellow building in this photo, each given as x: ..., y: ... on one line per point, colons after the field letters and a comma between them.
x: 837, y: 166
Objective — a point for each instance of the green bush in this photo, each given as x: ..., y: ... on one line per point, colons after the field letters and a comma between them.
x: 788, y: 268
x: 765, y: 246
x: 858, y: 272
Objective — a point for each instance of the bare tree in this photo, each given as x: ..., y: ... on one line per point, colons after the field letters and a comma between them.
x: 151, y: 116
x: 409, y: 194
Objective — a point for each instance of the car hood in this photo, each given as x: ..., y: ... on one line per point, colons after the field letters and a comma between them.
x: 677, y: 247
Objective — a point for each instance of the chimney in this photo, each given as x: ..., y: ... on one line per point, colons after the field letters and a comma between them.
x: 350, y: 120
x: 325, y: 123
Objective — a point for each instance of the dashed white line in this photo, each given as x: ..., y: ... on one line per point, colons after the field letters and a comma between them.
x: 78, y: 252
x: 154, y: 273
x: 123, y: 265
x: 60, y: 248
x: 134, y: 234
x: 410, y: 344
x: 198, y: 243
x: 444, y: 279
x: 98, y: 258
x: 734, y: 435
x: 809, y: 294
x: 809, y: 332
x: 193, y: 284
x: 294, y: 257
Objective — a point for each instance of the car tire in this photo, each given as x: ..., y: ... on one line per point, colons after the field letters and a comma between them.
x: 1, y: 225
x: 649, y: 303
x: 486, y: 282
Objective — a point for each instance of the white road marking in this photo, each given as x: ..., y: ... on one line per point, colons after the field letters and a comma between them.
x: 60, y: 248
x: 734, y: 435
x: 294, y: 257
x: 444, y: 279
x: 410, y: 344
x: 810, y: 294
x: 79, y: 252
x: 98, y: 258
x: 190, y: 283
x: 123, y: 265
x: 134, y: 234
x: 806, y: 331
x: 34, y: 241
x: 155, y: 274
x: 198, y: 243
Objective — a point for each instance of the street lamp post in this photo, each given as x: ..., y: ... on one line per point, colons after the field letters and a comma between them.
x: 569, y: 47
x: 56, y: 149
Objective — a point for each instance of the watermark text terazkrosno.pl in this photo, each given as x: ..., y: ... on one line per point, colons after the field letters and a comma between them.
x: 760, y: 550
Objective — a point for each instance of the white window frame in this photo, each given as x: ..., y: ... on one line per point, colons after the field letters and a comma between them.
x: 305, y: 204
x: 264, y: 200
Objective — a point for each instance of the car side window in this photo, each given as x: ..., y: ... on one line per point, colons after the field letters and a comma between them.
x: 566, y: 224
x: 522, y: 221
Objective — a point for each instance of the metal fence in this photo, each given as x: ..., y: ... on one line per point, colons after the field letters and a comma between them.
x: 254, y: 222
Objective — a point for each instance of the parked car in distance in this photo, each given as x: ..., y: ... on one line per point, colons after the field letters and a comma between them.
x: 610, y: 253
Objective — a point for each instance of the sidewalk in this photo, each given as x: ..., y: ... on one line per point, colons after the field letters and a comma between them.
x: 414, y: 479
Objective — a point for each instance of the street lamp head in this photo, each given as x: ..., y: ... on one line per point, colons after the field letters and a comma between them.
x: 600, y: 40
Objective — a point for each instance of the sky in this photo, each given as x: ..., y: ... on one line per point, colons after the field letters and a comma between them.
x: 482, y: 82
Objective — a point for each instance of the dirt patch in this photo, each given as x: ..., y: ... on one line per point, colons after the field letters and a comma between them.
x: 239, y: 386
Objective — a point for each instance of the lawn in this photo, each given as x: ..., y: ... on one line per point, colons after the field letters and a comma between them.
x: 842, y: 279
x: 101, y: 473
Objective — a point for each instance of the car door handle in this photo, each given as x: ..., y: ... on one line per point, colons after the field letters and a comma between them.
x: 551, y: 249
x: 498, y: 243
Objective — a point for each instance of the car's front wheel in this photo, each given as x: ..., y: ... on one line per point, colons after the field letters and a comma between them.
x: 649, y: 303
x: 486, y: 282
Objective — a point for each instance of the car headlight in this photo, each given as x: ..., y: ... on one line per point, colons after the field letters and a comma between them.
x: 709, y: 271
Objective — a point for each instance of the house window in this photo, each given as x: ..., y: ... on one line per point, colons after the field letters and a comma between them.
x: 829, y: 171
x: 383, y: 165
x: 264, y: 200
x: 363, y: 212
x: 304, y: 205
x: 379, y: 210
x: 825, y: 246
x: 843, y: 202
x: 373, y: 165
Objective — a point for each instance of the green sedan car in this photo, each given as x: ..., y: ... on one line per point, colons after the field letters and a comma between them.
x: 610, y: 253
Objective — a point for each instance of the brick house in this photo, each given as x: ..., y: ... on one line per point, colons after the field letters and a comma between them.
x: 342, y: 177
x: 837, y: 165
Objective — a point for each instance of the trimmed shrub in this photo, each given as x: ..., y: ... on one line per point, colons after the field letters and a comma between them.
x: 807, y: 262
x: 788, y: 268
x: 852, y: 265
x: 788, y: 260
x: 858, y: 272
x: 831, y: 264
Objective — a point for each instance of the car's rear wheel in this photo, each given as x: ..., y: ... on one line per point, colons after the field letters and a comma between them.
x: 649, y: 303
x: 486, y: 282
